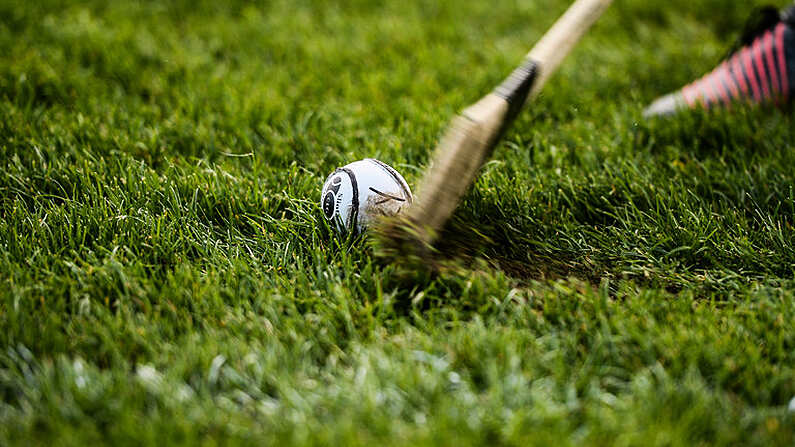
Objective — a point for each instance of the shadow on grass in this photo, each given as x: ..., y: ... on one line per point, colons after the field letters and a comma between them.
x: 666, y: 217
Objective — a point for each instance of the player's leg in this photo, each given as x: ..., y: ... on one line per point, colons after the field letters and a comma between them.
x: 761, y: 69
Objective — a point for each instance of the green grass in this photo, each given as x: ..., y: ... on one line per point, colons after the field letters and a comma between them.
x: 167, y: 276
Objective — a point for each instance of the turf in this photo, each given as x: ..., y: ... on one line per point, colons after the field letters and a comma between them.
x: 168, y: 277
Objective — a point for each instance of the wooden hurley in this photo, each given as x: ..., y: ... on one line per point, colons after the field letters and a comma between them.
x: 472, y: 135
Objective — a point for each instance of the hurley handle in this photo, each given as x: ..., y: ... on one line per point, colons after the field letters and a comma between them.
x: 553, y: 47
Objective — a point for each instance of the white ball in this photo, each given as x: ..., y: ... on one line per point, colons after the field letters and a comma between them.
x: 356, y: 193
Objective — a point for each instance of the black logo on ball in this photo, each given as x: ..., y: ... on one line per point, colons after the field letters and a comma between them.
x: 328, y: 205
x: 329, y: 200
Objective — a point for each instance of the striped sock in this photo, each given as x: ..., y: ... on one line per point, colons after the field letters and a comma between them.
x: 760, y: 72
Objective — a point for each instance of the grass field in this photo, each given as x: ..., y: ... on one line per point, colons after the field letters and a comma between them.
x: 167, y: 276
